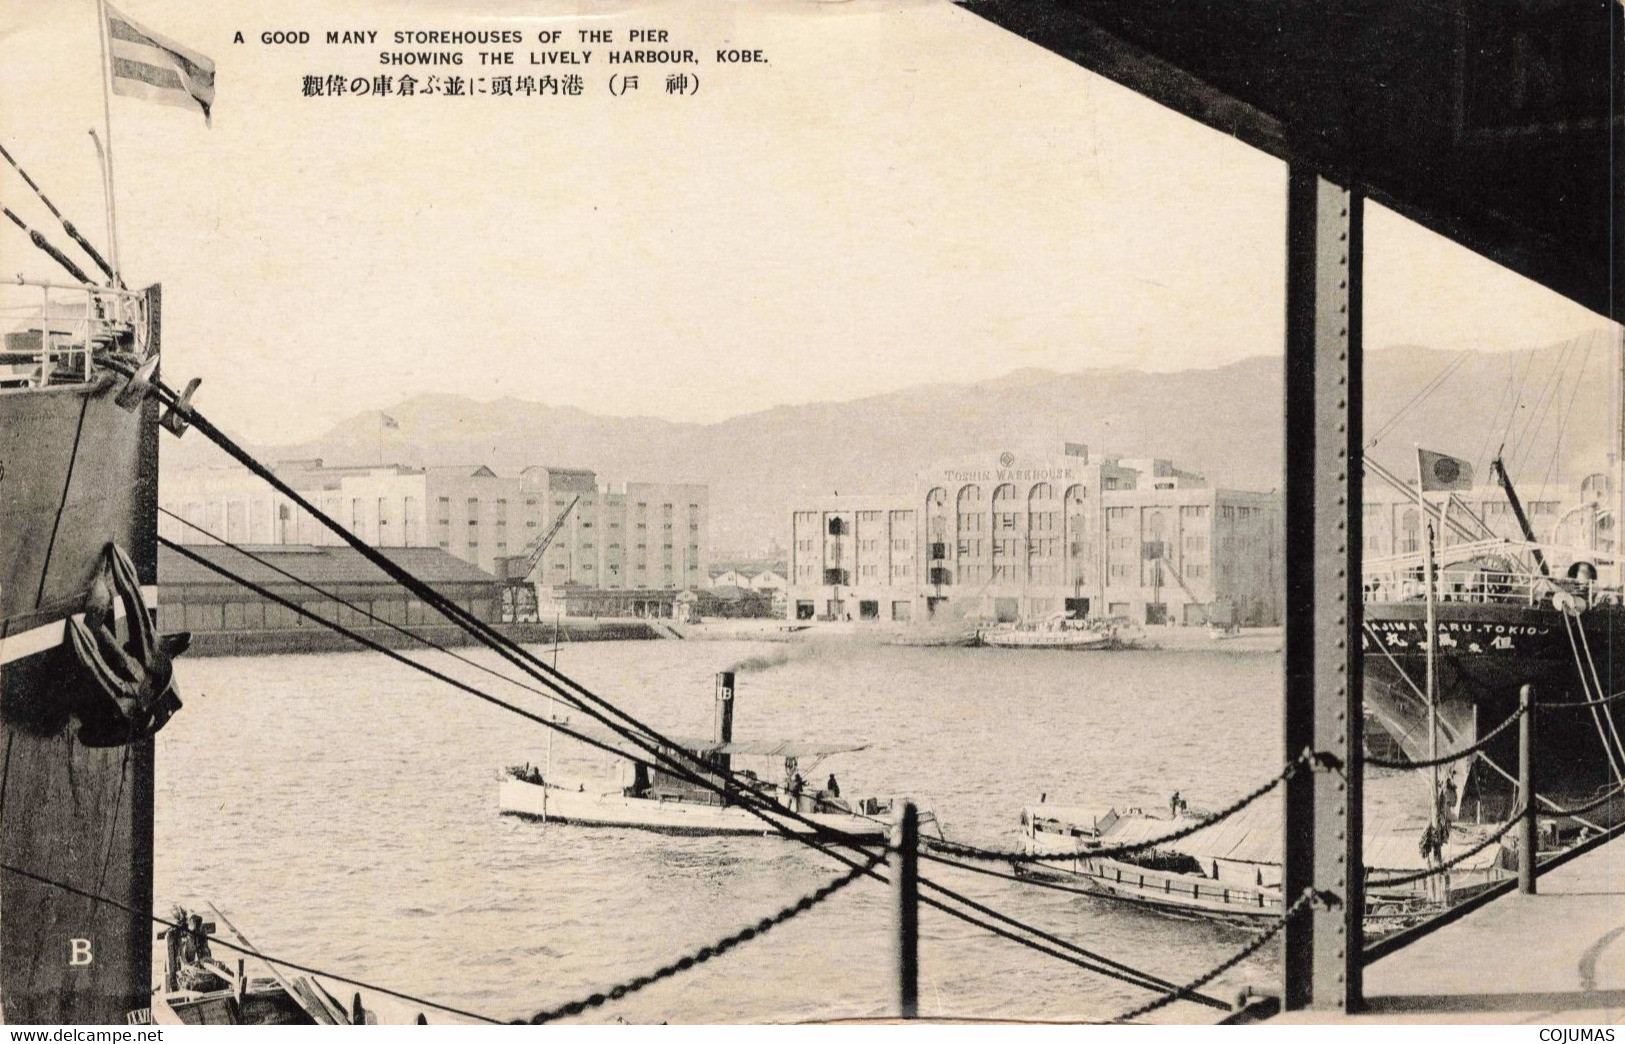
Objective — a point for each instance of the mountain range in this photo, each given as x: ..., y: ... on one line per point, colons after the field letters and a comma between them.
x: 1549, y: 406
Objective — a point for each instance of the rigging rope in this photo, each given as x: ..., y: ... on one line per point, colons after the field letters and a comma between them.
x: 353, y: 607
x: 393, y: 654
x: 665, y: 750
x: 556, y: 681
x: 1112, y: 970
x: 974, y: 852
x: 341, y: 629
x: 1225, y: 965
x: 1585, y: 688
x: 67, y: 225
x: 1567, y: 415
x: 1426, y: 390
x: 1524, y: 448
x: 45, y: 245
x: 248, y: 951
x: 706, y: 953
x: 1596, y: 678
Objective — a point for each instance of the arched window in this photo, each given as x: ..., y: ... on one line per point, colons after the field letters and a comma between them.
x: 1410, y: 530
x: 1005, y: 491
x: 1041, y: 491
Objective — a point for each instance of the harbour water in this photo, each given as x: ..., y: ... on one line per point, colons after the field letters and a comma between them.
x: 341, y: 810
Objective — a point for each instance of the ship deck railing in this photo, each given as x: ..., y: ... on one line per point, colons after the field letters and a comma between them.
x: 1399, y: 578
x: 53, y: 332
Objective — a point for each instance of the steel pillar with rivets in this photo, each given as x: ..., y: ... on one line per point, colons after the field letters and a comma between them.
x: 1322, y: 838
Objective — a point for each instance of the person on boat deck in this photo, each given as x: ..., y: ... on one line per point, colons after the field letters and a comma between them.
x: 195, y: 948
x: 1176, y: 804
x: 1431, y: 847
x: 194, y: 973
x: 833, y: 787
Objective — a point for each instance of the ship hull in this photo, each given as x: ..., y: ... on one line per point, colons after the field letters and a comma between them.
x: 584, y: 808
x: 1486, y: 653
x: 79, y: 473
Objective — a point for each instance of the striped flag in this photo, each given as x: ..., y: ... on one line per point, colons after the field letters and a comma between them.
x: 146, y: 65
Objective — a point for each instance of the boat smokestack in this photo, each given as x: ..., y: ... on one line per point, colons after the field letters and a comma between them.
x: 725, y: 707
x: 724, y: 718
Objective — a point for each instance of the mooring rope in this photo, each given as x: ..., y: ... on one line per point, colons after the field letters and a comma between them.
x: 45, y: 246
x: 1223, y: 966
x: 1569, y: 813
x: 705, y: 953
x: 1106, y: 967
x: 247, y: 951
x: 556, y: 681
x: 353, y: 607
x: 974, y: 852
x: 394, y: 654
x: 84, y: 244
x: 1465, y: 752
x: 1451, y: 863
x: 637, y: 733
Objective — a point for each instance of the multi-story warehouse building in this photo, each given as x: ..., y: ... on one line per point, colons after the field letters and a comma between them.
x: 1013, y: 537
x: 1578, y: 515
x: 615, y: 536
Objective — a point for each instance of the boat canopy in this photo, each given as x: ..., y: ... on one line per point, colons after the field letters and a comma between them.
x: 1253, y: 835
x: 767, y: 748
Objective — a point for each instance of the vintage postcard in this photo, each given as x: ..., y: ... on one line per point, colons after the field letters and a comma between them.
x: 797, y: 512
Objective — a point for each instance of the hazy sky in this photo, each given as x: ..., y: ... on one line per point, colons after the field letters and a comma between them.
x: 905, y: 194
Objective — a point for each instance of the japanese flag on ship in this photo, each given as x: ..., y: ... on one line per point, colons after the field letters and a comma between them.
x: 1440, y: 472
x: 143, y: 64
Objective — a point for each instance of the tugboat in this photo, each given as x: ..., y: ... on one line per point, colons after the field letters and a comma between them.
x: 653, y: 799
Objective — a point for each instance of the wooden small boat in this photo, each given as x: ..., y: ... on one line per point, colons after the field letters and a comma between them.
x: 1231, y: 871
x: 198, y: 989
x: 936, y: 639
x: 1040, y: 638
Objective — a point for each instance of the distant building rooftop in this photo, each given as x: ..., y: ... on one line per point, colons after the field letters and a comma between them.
x: 317, y: 565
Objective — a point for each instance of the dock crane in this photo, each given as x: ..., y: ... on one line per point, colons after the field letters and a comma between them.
x: 518, y: 594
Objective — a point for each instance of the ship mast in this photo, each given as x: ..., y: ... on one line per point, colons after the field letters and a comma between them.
x: 1431, y: 622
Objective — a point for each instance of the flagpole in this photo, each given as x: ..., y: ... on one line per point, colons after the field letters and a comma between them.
x: 107, y: 121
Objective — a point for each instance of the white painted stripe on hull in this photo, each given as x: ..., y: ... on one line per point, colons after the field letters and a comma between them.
x: 46, y: 637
